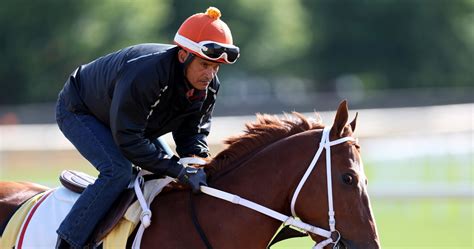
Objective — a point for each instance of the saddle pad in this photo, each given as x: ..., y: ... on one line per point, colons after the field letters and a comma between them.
x: 12, y: 229
x: 39, y: 228
x: 46, y: 214
x: 118, y: 237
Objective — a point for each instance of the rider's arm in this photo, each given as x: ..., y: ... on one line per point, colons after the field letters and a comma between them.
x: 191, y: 136
x: 131, y: 106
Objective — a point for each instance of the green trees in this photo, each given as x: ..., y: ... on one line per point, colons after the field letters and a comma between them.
x: 395, y: 44
x: 42, y: 42
x: 386, y: 43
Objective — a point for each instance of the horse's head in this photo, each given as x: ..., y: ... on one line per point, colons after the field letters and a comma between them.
x: 286, y: 148
x: 353, y: 214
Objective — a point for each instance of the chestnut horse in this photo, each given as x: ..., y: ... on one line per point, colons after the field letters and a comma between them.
x: 265, y: 165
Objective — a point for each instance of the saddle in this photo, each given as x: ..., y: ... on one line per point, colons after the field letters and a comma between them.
x: 78, y: 182
x: 75, y: 181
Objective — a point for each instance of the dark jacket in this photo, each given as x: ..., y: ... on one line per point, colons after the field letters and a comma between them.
x: 139, y: 92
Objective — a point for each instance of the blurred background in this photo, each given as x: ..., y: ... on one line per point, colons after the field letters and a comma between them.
x: 405, y: 66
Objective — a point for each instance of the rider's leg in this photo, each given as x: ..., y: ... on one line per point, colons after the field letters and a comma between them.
x: 95, y: 142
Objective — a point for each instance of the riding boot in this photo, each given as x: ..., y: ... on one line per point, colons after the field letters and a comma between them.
x: 62, y: 244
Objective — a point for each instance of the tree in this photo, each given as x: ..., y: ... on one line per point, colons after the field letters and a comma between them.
x: 43, y: 41
x: 393, y: 44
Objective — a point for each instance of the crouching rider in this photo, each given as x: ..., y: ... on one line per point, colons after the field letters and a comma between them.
x: 114, y: 108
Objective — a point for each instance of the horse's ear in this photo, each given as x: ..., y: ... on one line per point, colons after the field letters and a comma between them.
x: 342, y: 115
x: 354, y: 122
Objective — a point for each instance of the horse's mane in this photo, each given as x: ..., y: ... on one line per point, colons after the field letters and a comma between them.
x: 266, y: 130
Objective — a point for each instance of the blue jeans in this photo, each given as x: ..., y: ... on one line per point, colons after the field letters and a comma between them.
x: 94, y: 141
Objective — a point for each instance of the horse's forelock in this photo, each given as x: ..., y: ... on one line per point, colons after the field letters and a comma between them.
x: 266, y: 130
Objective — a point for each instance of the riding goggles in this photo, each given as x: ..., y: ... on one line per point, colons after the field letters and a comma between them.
x: 210, y: 50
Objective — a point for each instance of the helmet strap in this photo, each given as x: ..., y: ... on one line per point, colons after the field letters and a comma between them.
x: 186, y: 63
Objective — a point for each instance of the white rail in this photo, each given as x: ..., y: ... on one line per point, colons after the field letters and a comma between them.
x: 373, y: 123
x: 386, y: 135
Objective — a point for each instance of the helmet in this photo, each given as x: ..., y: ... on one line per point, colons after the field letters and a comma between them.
x: 207, y: 36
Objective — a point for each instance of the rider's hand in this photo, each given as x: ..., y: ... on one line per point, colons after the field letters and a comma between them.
x: 193, y: 177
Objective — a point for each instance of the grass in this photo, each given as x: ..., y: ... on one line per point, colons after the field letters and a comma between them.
x: 423, y: 224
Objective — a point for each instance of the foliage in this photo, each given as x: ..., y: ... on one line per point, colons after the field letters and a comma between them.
x: 43, y: 41
x: 385, y: 44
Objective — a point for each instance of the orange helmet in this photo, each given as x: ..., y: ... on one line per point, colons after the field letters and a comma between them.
x: 207, y: 36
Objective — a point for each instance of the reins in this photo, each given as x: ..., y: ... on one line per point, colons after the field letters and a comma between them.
x: 197, y: 225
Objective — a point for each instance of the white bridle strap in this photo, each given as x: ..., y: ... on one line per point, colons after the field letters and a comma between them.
x: 324, y: 144
x: 306, y: 174
x: 288, y: 220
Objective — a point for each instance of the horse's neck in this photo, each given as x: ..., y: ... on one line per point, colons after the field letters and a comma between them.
x: 271, y: 175
x: 268, y: 178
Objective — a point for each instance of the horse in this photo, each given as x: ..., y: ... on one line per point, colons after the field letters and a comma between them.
x: 265, y: 165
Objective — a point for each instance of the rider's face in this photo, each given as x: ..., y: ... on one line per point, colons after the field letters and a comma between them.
x: 199, y: 72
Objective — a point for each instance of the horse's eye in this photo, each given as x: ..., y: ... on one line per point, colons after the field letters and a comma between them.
x: 348, y: 179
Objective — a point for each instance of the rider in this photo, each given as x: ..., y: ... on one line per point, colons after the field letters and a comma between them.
x: 114, y: 109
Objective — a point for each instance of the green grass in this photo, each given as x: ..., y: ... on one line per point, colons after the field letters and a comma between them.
x: 426, y: 223
x: 41, y: 167
x: 448, y: 169
x: 410, y: 224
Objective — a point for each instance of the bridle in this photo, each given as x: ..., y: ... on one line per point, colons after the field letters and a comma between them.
x: 324, y: 144
x: 333, y: 236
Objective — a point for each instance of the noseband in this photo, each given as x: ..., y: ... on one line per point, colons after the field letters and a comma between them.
x: 333, y: 236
